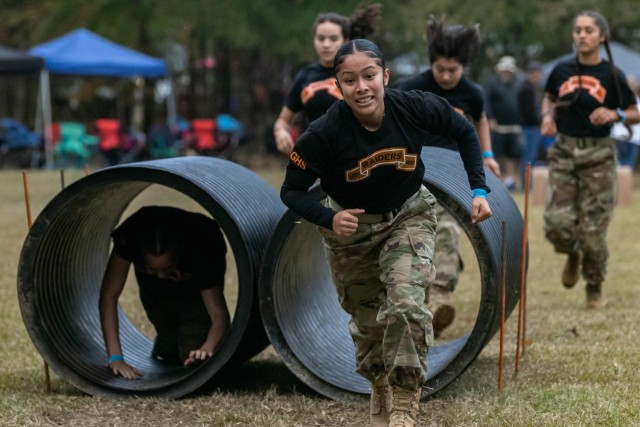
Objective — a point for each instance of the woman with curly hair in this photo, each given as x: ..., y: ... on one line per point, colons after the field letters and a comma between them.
x: 452, y: 49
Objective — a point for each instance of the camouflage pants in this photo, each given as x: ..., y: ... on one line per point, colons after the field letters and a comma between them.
x: 447, y: 257
x: 582, y: 182
x: 381, y: 274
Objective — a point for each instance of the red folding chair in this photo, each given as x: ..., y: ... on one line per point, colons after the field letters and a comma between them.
x: 204, y: 135
x: 108, y: 134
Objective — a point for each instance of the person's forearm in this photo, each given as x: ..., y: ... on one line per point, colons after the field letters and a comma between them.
x: 548, y: 106
x: 110, y: 326
x: 632, y: 115
x: 469, y: 148
x: 113, y: 282
x: 307, y: 207
x: 482, y: 128
x: 283, y: 122
x: 216, y: 333
x: 294, y: 194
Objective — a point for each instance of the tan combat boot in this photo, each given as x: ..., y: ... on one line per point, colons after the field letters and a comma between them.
x: 595, y: 300
x: 571, y: 271
x: 378, y: 406
x: 440, y: 307
x: 404, y: 407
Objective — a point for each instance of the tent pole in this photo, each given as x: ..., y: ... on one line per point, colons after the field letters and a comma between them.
x: 172, y: 119
x: 45, y: 89
x: 38, y: 126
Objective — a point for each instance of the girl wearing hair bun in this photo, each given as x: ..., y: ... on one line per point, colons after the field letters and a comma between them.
x: 314, y: 89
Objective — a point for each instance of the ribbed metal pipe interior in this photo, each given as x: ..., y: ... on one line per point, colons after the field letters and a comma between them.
x: 65, y: 254
x: 308, y: 328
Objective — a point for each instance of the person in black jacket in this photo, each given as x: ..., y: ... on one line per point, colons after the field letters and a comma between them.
x: 378, y: 221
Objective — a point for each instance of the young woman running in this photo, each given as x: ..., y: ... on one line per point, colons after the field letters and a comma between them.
x: 378, y: 222
x: 584, y: 97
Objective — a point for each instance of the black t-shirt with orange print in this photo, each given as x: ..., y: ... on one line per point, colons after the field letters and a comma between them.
x: 376, y: 171
x: 313, y: 91
x: 583, y: 88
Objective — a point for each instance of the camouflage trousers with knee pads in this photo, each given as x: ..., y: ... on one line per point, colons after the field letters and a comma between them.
x: 381, y: 274
x: 582, y: 183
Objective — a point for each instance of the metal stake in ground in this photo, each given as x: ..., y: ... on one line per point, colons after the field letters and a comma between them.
x: 503, y: 286
x: 522, y: 306
x: 27, y: 201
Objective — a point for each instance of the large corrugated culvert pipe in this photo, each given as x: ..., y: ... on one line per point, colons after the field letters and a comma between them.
x: 308, y: 328
x: 66, y: 251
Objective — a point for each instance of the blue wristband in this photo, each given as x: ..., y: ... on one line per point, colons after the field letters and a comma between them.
x: 486, y: 154
x: 479, y: 192
x: 116, y: 358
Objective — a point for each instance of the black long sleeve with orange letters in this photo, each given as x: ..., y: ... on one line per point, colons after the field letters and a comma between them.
x: 375, y: 171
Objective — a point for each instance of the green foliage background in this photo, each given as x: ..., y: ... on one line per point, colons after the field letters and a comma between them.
x: 259, y: 44
x: 282, y: 27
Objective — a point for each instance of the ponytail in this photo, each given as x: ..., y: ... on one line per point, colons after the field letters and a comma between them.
x: 365, y: 21
x: 603, y: 25
x: 452, y: 41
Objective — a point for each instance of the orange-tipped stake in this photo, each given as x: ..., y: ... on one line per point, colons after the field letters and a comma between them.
x: 62, y: 178
x: 503, y: 281
x: 524, y: 291
x: 523, y: 276
x: 27, y: 200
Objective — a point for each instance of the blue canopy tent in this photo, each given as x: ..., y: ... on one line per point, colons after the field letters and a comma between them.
x: 82, y: 52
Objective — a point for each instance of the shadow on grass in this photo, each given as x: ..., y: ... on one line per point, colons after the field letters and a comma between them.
x: 30, y: 382
x: 256, y: 376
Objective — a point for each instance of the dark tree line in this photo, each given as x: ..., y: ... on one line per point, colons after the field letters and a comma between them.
x: 238, y: 56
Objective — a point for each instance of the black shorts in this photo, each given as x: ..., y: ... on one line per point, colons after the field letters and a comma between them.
x: 506, y: 145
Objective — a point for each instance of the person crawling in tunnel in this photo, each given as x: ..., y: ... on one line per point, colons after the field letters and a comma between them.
x: 179, y: 264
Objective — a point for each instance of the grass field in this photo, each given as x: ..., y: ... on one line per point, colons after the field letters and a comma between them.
x: 580, y: 367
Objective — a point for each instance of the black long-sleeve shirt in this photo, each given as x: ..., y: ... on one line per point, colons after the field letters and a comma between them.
x: 375, y: 171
